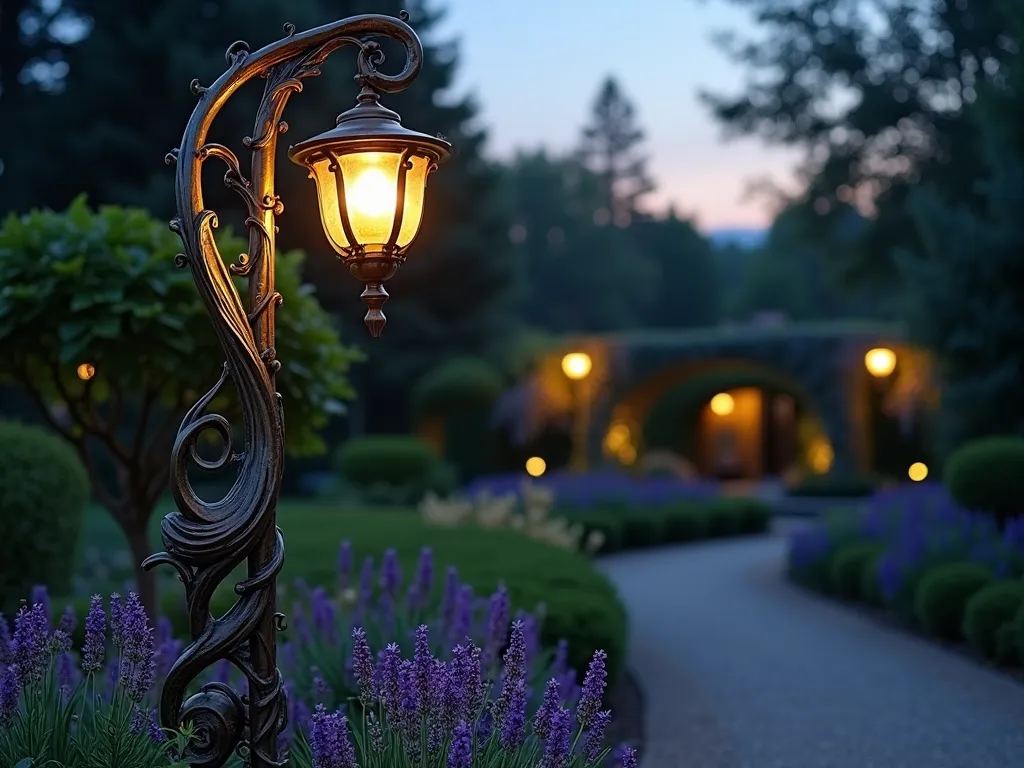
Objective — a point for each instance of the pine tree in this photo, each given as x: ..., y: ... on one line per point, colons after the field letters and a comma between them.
x: 610, y: 148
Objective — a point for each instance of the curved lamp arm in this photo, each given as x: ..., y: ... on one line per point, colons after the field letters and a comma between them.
x: 206, y: 541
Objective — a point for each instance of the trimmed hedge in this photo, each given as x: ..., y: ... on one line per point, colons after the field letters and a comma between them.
x: 987, y: 475
x: 987, y: 612
x: 846, y: 569
x: 942, y: 595
x: 849, y: 486
x: 393, y: 469
x: 43, y: 492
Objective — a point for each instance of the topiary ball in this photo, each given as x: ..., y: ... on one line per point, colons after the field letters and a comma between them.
x: 43, y: 492
x: 846, y: 569
x: 987, y: 475
x: 942, y: 594
x: 988, y: 610
x: 870, y: 590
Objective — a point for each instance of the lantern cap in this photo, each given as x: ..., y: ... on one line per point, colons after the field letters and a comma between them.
x: 368, y: 127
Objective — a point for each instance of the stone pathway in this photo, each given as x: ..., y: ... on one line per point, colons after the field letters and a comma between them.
x: 742, y: 670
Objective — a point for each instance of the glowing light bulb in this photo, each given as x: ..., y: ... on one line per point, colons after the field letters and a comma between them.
x: 918, y: 471
x: 536, y: 466
x: 722, y: 404
x: 373, y: 193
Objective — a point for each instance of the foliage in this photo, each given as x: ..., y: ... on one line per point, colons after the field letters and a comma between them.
x: 987, y: 612
x: 53, y: 711
x: 943, y: 594
x: 43, y: 492
x: 835, y: 484
x: 460, y: 394
x: 403, y: 463
x: 609, y: 150
x: 968, y: 310
x: 100, y: 288
x: 846, y: 569
x: 874, y: 95
x: 987, y: 475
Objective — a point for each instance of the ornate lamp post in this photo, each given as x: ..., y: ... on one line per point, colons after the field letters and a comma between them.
x: 370, y: 173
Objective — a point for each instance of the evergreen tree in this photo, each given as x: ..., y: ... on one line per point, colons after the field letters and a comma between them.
x: 610, y: 148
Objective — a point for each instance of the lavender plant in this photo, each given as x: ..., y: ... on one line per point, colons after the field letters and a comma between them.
x: 56, y: 712
x: 318, y: 658
x: 425, y: 712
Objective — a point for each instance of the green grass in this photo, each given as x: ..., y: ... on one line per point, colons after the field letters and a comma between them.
x: 581, y: 604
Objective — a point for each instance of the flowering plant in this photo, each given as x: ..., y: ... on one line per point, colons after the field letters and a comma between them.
x: 424, y: 711
x: 54, y: 712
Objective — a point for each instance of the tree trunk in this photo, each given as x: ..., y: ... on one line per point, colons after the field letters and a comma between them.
x: 138, y: 542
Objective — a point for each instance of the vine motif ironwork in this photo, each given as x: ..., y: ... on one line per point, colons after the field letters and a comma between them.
x: 205, y: 541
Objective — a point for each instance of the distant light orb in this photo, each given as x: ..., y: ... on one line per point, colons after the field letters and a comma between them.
x: 627, y: 455
x: 918, y: 471
x: 820, y: 456
x: 86, y: 371
x: 618, y: 436
x: 880, y: 362
x: 536, y: 466
x: 722, y: 404
x: 577, y: 365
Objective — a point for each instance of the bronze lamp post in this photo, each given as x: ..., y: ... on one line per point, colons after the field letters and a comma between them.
x: 370, y: 174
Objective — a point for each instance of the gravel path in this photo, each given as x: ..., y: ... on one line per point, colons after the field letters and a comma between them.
x: 742, y: 670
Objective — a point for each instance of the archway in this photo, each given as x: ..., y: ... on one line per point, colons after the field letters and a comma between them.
x: 726, y: 419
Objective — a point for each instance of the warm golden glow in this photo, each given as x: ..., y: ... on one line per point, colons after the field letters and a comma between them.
x: 880, y: 362
x: 627, y: 455
x: 722, y: 404
x: 576, y: 365
x: 371, y: 194
x: 86, y: 371
x: 820, y: 456
x: 536, y: 466
x: 618, y: 436
x: 918, y: 471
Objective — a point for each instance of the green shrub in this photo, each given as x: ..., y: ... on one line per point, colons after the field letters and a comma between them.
x: 749, y: 515
x: 870, y: 591
x: 461, y: 393
x: 942, y: 595
x: 988, y: 610
x: 609, y: 525
x: 846, y: 568
x: 1017, y: 634
x: 838, y: 485
x: 43, y: 492
x: 1006, y: 645
x: 388, y: 468
x: 684, y: 522
x: 642, y: 529
x: 987, y: 475
x: 724, y: 518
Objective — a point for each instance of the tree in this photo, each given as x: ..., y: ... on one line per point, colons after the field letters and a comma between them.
x: 689, y: 289
x: 875, y: 94
x: 574, y: 274
x: 111, y: 343
x: 450, y: 296
x: 610, y: 150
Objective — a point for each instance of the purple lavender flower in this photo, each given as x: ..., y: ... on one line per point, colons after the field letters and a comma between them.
x: 330, y: 742
x: 627, y: 757
x: 548, y: 707
x: 457, y: 696
x: 462, y: 626
x: 515, y: 654
x: 300, y: 713
x: 376, y: 733
x: 41, y: 596
x: 31, y: 643
x: 476, y: 691
x: 410, y: 709
x: 138, y: 650
x: 139, y: 721
x: 390, y: 573
x: 10, y: 692
x: 390, y: 687
x: 116, y: 620
x: 425, y: 573
x: 362, y: 666
x: 65, y: 673
x: 593, y: 690
x: 386, y: 608
x: 531, y: 635
x: 514, y: 675
x: 556, y: 746
x: 113, y: 674
x: 156, y: 733
x: 423, y: 663
x: 5, y: 642
x: 595, y: 736
x: 321, y: 690
x: 449, y: 600
x: 560, y: 663
x: 344, y: 564
x: 68, y: 621
x: 512, y: 724
x: 460, y: 754
x: 497, y: 626
x: 323, y: 614
x: 167, y: 647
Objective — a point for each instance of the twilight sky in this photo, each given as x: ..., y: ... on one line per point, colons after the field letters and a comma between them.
x: 536, y: 86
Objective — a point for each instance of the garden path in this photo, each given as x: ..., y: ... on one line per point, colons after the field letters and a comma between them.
x: 742, y: 670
